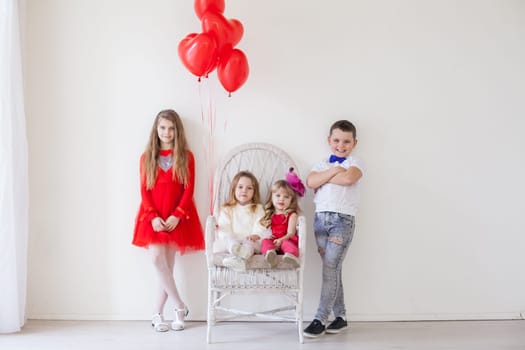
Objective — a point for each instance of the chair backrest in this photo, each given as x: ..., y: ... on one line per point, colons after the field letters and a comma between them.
x: 267, y: 162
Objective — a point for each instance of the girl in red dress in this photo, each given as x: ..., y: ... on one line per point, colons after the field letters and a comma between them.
x: 167, y: 220
x: 281, y: 216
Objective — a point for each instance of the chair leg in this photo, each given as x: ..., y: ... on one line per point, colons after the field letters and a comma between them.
x: 299, y: 316
x: 208, y: 333
x: 300, y: 330
x: 211, y: 315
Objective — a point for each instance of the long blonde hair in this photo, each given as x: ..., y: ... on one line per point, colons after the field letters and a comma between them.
x: 180, y: 151
x: 232, y: 201
x: 269, y: 208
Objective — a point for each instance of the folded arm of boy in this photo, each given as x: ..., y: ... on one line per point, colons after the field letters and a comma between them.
x: 336, y: 175
x: 316, y: 179
x: 348, y: 177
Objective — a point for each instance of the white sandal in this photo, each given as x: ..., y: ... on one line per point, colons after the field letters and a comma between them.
x: 178, y: 322
x: 158, y: 323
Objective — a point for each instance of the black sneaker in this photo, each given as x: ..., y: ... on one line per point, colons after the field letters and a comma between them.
x: 315, y: 329
x: 337, y: 325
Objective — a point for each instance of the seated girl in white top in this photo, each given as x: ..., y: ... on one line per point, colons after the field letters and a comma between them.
x: 239, y: 231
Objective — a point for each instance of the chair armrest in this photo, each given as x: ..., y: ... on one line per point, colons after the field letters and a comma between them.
x: 302, y: 233
x: 211, y: 227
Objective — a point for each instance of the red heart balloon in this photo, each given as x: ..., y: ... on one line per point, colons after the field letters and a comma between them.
x: 227, y: 31
x: 233, y: 70
x: 201, y: 6
x: 198, y: 52
x: 237, y: 31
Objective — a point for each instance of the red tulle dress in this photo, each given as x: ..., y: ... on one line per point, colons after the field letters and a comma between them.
x: 169, y: 197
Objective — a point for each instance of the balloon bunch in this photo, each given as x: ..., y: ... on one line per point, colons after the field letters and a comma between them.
x: 215, y: 46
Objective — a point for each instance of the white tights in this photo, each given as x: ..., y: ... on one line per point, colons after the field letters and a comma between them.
x: 163, y: 261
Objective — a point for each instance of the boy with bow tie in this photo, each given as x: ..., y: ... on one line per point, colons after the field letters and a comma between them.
x: 336, y: 183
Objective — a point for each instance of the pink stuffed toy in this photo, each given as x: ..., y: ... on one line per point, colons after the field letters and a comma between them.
x: 295, y: 182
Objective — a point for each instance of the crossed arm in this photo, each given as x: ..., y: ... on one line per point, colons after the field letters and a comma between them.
x: 336, y: 175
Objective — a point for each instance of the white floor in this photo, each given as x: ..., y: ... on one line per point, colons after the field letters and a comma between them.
x: 131, y: 335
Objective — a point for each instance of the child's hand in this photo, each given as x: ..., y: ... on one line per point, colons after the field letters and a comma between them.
x: 158, y: 224
x: 171, y: 223
x: 277, y: 242
x: 254, y: 237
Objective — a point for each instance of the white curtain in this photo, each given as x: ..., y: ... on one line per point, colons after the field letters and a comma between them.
x: 13, y: 174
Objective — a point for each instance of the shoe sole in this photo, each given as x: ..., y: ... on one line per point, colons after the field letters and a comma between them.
x: 310, y: 335
x: 160, y: 327
x: 178, y: 328
x: 234, y: 266
x: 291, y: 261
x: 335, y: 331
x: 271, y: 259
x: 236, y: 250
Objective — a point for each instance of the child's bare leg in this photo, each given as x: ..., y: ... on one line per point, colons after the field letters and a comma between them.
x: 161, y: 301
x: 164, y: 261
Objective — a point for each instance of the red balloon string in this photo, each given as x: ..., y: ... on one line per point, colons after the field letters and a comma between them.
x: 208, y: 115
x: 211, y: 148
x: 200, y: 99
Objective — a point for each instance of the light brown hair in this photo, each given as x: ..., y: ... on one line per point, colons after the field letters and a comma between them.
x: 232, y: 201
x: 269, y: 208
x: 180, y: 151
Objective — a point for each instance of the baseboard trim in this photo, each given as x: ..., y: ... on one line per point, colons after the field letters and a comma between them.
x: 352, y: 317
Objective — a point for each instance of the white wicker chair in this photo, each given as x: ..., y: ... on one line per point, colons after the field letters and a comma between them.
x: 268, y: 163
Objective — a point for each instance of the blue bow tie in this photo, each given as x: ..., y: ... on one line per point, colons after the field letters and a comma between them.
x: 334, y: 158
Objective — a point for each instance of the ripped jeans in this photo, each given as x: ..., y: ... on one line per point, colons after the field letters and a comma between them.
x: 333, y: 233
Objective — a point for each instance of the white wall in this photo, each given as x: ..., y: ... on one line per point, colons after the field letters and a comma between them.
x: 436, y: 89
